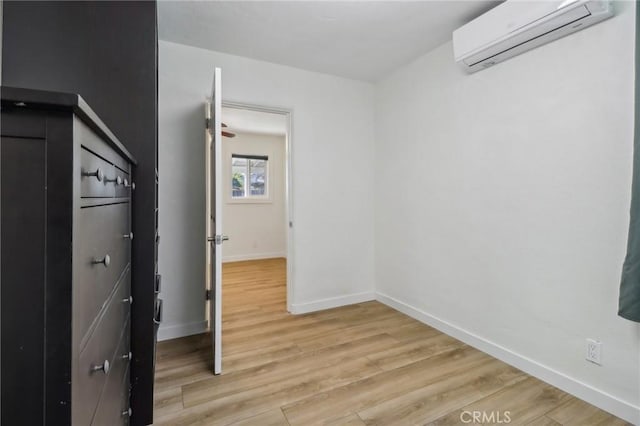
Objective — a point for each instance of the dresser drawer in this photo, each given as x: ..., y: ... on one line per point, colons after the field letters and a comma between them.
x: 102, y: 238
x: 102, y: 346
x: 99, y: 178
x: 117, y: 413
x: 111, y: 408
x: 90, y: 141
x: 125, y: 398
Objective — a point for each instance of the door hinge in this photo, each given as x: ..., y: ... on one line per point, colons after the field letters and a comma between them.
x: 207, y: 123
x: 207, y: 294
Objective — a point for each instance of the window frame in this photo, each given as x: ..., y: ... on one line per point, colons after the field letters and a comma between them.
x: 248, y: 198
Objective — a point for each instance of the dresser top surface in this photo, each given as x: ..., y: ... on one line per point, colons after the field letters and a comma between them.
x: 43, y: 99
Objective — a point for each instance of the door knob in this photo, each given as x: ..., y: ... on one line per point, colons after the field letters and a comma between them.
x: 218, y: 239
x: 127, y: 356
x: 128, y: 236
x: 131, y: 185
x: 128, y: 300
x: 127, y: 413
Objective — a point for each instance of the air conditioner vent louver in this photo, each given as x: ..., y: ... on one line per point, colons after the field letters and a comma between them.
x: 491, y: 38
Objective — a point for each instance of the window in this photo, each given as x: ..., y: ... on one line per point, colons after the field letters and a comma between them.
x: 249, y: 175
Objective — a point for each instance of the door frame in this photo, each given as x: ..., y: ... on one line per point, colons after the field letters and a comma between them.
x: 288, y: 192
x: 214, y: 223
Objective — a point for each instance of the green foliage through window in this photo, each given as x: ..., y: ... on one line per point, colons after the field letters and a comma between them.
x: 249, y: 176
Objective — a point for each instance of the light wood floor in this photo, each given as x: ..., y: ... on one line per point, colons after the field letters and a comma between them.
x: 355, y: 365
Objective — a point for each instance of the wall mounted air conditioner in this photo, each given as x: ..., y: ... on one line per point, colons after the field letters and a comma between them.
x: 516, y: 26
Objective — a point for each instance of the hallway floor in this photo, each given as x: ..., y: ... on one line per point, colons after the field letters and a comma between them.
x: 363, y: 364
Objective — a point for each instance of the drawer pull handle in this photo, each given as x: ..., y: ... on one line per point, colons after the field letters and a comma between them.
x: 128, y: 236
x: 128, y: 356
x: 98, y: 174
x: 158, y: 284
x: 157, y: 318
x: 106, y: 260
x: 128, y: 300
x: 117, y: 180
x: 103, y: 367
x: 127, y: 413
x: 131, y: 185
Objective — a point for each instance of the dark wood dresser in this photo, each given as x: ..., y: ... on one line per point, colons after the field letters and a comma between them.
x: 67, y: 189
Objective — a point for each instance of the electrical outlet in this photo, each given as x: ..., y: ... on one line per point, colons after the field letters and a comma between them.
x: 594, y: 351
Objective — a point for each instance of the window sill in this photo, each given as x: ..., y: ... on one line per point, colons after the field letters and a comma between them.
x: 249, y: 201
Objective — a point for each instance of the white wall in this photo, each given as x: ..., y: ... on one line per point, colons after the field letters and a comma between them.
x: 256, y: 230
x: 332, y: 138
x: 502, y: 203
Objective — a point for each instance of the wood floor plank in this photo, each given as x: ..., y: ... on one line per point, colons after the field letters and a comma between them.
x: 272, y: 327
x: 183, y: 375
x: 350, y: 420
x: 359, y: 364
x: 255, y: 400
x: 199, y: 355
x: 576, y: 412
x: 259, y: 356
x: 340, y: 335
x: 167, y: 401
x: 305, y: 327
x: 412, y: 351
x: 543, y: 421
x: 449, y: 393
x: 357, y: 396
x: 273, y: 417
x: 523, y: 401
x: 273, y: 372
x: 254, y: 318
x: 169, y: 349
x: 414, y: 331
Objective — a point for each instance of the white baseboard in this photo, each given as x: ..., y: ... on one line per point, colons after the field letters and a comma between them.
x: 603, y: 400
x: 332, y: 302
x: 254, y: 256
x: 181, y: 330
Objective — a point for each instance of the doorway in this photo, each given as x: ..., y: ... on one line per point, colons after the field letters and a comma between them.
x: 256, y: 211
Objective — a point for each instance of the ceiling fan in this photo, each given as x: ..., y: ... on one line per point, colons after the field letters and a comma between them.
x: 227, y: 134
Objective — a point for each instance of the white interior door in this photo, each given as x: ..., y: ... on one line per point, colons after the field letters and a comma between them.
x: 215, y: 237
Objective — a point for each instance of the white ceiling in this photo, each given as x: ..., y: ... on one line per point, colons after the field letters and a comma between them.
x: 363, y: 40
x: 248, y: 121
